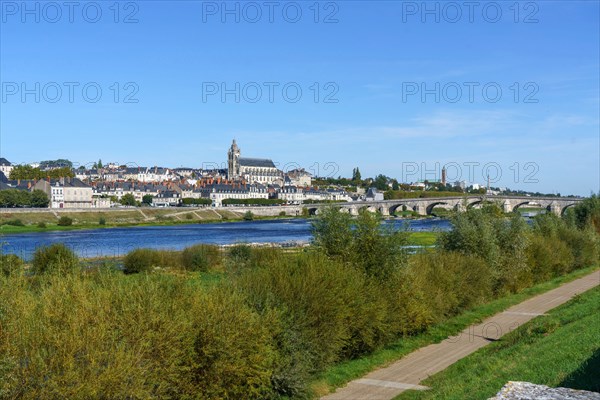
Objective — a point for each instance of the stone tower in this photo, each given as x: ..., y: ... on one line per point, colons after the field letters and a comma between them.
x: 444, y: 176
x: 233, y: 157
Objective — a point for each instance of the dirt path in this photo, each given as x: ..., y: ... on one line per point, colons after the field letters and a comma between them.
x: 408, y: 372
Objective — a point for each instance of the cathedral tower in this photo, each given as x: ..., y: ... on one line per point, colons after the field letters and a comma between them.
x: 233, y: 157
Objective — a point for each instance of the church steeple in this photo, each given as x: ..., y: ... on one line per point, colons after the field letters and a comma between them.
x: 233, y: 158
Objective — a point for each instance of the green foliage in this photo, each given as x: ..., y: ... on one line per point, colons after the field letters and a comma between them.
x: 10, y: 264
x: 39, y: 199
x: 147, y: 199
x: 23, y: 198
x: 327, y: 313
x: 65, y: 221
x: 146, y: 260
x: 101, y: 221
x: 332, y: 233
x: 282, y: 214
x: 13, y: 222
x: 187, y: 201
x: 248, y: 216
x: 128, y: 200
x: 233, y: 350
x: 260, y: 202
x: 239, y: 256
x: 381, y: 182
x: 363, y: 243
x: 201, y: 257
x: 28, y: 172
x: 586, y: 213
x: 41, y: 224
x: 54, y: 259
x: 356, y: 175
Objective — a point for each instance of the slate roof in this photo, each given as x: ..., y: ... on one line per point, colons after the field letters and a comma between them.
x: 257, y: 162
x: 4, y: 162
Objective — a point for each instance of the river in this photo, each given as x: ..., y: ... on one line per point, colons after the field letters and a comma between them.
x: 111, y: 242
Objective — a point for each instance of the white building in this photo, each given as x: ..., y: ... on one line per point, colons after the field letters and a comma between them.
x: 5, y: 167
x: 67, y: 193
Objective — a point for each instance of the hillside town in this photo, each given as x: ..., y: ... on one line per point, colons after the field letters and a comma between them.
x: 245, y: 181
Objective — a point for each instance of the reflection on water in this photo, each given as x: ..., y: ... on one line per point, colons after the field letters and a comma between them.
x: 118, y: 241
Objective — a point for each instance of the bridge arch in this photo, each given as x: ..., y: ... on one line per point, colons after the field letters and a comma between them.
x: 313, y: 211
x: 531, y: 203
x: 398, y: 207
x: 431, y: 206
x: 564, y: 209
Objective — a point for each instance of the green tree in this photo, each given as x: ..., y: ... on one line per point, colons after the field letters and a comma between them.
x: 248, y: 216
x: 99, y: 164
x: 356, y: 175
x: 147, y: 199
x: 332, y: 233
x: 39, y: 199
x: 381, y: 182
x: 128, y: 200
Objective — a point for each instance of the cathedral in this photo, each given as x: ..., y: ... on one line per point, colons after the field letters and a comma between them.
x: 251, y: 170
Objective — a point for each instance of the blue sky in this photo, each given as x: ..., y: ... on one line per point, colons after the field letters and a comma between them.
x: 388, y: 75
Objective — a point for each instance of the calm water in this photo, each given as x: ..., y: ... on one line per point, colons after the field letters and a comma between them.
x: 118, y: 241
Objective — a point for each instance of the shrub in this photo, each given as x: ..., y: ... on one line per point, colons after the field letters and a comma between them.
x: 367, y: 245
x: 328, y: 312
x: 189, y: 216
x: 233, y: 350
x: 41, y: 225
x: 282, y: 214
x: 10, y: 264
x: 65, y: 221
x: 248, y: 216
x: 502, y: 243
x: 56, y: 258
x: 201, y: 257
x: 140, y: 260
x: 14, y: 222
x: 102, y: 221
x: 449, y: 282
x: 240, y: 254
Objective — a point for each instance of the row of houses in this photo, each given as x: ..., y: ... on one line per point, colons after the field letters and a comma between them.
x: 75, y: 193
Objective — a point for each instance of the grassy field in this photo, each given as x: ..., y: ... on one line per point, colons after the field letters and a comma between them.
x: 342, y: 373
x: 561, y: 349
x: 91, y: 220
x: 422, y: 238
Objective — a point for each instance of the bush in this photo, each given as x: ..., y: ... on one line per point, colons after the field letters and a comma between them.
x: 282, y: 214
x: 189, y: 216
x: 140, y: 260
x: 248, y: 216
x: 240, y: 253
x: 10, y: 264
x: 41, y: 225
x: 65, y: 221
x: 201, y: 257
x: 145, y: 260
x: 14, y: 222
x: 502, y: 243
x: 57, y: 258
x: 363, y: 243
x: 102, y: 221
x: 233, y: 350
x: 328, y: 313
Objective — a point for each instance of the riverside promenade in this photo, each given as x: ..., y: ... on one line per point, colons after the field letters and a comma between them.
x: 408, y: 372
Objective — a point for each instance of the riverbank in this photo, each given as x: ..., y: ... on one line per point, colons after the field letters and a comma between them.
x: 47, y: 220
x: 38, y: 221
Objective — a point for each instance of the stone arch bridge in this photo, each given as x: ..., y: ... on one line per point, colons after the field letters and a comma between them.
x: 424, y: 206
